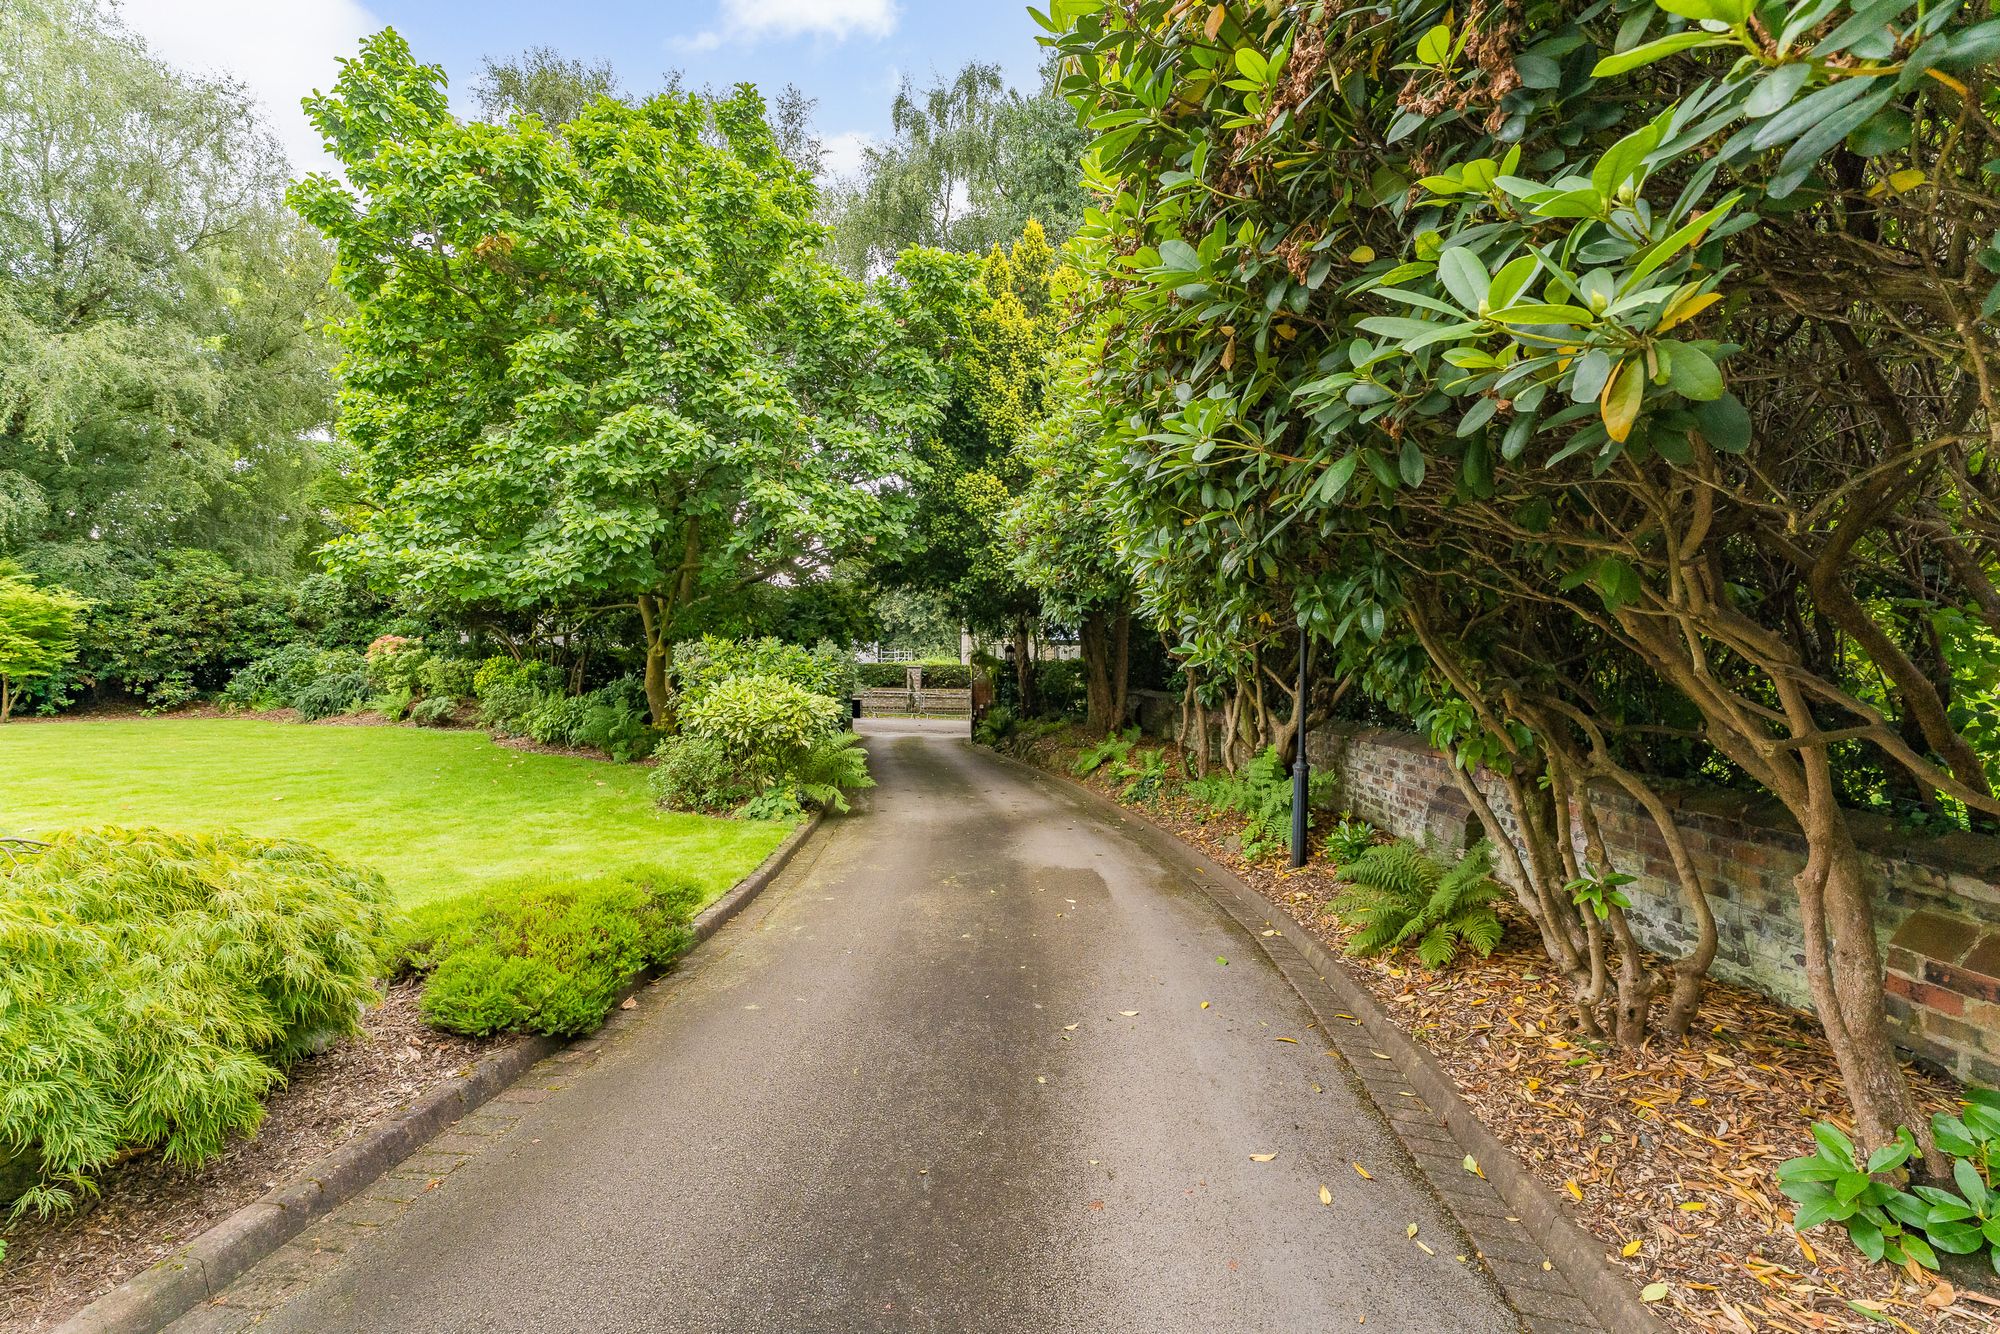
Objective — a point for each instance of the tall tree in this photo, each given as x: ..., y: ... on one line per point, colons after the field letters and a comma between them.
x: 970, y: 164
x: 162, y: 368
x: 541, y: 81
x: 600, y: 365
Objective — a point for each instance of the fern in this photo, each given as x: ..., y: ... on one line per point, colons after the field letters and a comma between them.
x: 1262, y: 794
x: 830, y: 769
x: 1145, y: 777
x: 1397, y: 895
x: 1111, y: 750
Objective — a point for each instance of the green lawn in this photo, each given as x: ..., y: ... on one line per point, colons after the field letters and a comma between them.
x: 437, y: 813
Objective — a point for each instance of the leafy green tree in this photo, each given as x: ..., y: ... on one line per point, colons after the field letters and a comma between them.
x: 1579, y: 358
x: 38, y: 629
x: 1066, y: 538
x: 541, y: 81
x: 993, y: 323
x: 970, y: 164
x: 600, y: 365
x: 162, y: 366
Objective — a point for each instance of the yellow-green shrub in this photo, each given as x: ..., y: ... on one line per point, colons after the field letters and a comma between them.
x: 153, y: 985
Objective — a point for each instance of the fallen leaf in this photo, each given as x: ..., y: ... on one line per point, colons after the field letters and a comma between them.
x: 1095, y: 1204
x: 1410, y: 1231
x: 1425, y: 1249
x: 1471, y: 1165
x: 1363, y: 1171
x: 1574, y: 1189
x: 1130, y: 1014
x: 1325, y: 1195
x: 1293, y: 1041
x: 1653, y: 1292
x: 1941, y: 1296
x: 1633, y: 1246
x: 1692, y: 1206
x: 629, y: 1003
x: 1224, y: 962
x: 1204, y: 1005
x: 1262, y: 1157
x: 1041, y: 1079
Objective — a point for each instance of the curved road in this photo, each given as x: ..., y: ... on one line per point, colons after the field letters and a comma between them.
x: 901, y: 1091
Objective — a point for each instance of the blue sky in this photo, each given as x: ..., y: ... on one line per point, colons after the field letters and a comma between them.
x: 847, y: 53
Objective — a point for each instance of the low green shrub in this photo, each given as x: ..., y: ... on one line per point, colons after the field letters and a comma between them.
x: 556, y: 719
x: 508, y: 692
x: 995, y: 726
x: 395, y: 662
x: 1111, y: 750
x: 279, y: 678
x: 1835, y: 1184
x: 1397, y: 894
x: 883, y: 675
x: 1060, y: 687
x: 702, y: 664
x: 1145, y: 776
x: 895, y: 675
x: 338, y: 693
x: 618, y: 721
x: 449, y: 677
x: 153, y: 985
x: 1348, y: 839
x: 947, y: 676
x: 696, y: 774
x: 763, y: 722
x: 544, y: 958
x: 434, y: 711
x: 773, y: 803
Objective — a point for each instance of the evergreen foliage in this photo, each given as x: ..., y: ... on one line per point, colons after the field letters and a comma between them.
x: 543, y: 958
x: 1398, y: 895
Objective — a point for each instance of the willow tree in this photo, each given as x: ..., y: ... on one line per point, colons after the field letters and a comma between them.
x: 162, y: 362
x: 600, y: 364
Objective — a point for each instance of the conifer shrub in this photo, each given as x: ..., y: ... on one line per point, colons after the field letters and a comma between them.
x: 543, y: 958
x: 153, y: 985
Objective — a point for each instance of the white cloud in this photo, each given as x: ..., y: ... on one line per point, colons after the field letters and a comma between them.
x: 841, y: 155
x: 280, y: 51
x: 755, y: 20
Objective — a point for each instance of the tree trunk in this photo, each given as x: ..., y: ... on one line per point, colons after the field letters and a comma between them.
x: 6, y: 699
x: 1099, y: 717
x: 1121, y: 662
x: 1844, y: 972
x: 659, y: 657
x: 1024, y: 668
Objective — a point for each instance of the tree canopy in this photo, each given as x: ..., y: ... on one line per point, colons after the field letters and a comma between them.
x: 162, y: 366
x: 599, y: 364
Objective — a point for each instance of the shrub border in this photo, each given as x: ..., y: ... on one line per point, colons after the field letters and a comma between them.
x: 200, y: 1270
x: 1584, y: 1260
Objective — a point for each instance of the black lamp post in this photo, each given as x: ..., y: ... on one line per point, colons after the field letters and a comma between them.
x: 1300, y: 770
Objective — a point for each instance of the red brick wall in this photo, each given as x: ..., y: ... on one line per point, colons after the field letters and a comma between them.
x: 1937, y: 902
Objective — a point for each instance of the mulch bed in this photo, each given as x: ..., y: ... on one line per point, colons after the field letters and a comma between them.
x: 1667, y: 1156
x: 146, y: 1208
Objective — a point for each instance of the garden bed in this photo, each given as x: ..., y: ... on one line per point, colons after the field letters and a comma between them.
x: 1668, y: 1157
x: 147, y: 1209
